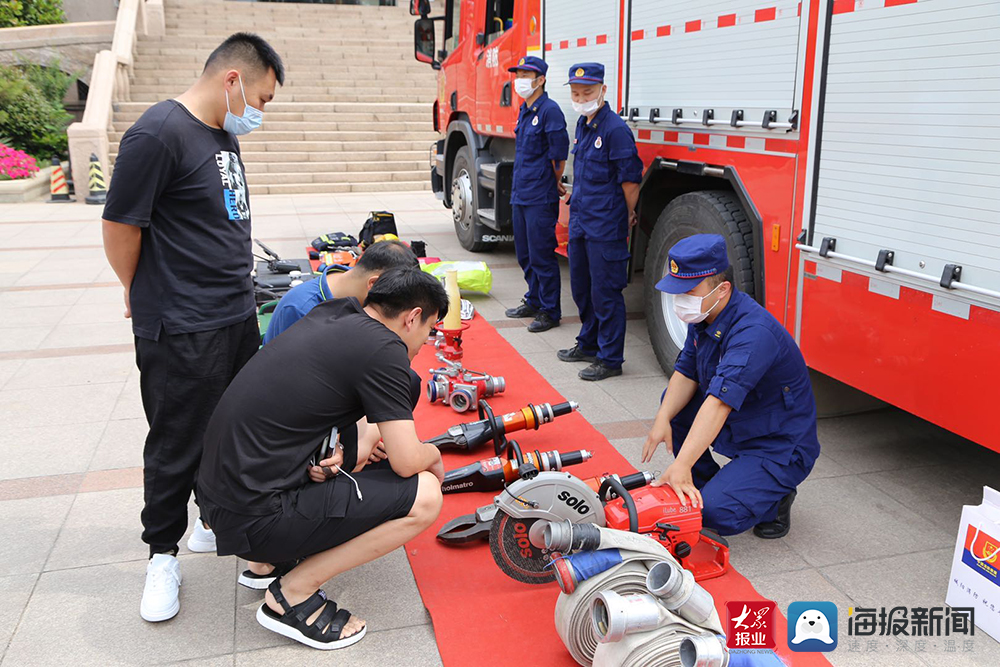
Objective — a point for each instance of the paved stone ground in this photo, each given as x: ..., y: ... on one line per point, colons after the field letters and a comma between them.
x: 875, y: 524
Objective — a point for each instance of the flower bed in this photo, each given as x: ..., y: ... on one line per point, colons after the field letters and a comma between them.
x: 15, y: 164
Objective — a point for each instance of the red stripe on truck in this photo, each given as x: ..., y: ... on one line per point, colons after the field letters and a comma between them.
x: 692, y: 26
x: 843, y: 6
x: 602, y: 39
x: 896, y: 3
x: 564, y: 44
x: 582, y: 41
x: 727, y: 20
x: 766, y: 14
x: 637, y: 35
x: 701, y: 139
x: 663, y: 31
x: 645, y: 135
x: 736, y: 142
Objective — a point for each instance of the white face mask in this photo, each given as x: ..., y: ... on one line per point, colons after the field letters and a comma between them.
x: 587, y: 108
x: 525, y: 88
x: 688, y: 308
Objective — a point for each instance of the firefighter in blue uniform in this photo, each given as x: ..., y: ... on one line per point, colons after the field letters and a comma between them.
x: 541, y: 149
x: 606, y: 175
x: 740, y: 384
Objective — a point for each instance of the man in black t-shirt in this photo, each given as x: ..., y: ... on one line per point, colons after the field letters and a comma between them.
x: 177, y: 233
x: 337, y: 364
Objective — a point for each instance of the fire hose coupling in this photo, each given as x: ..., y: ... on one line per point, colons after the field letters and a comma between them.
x: 677, y: 589
x: 614, y: 615
x: 704, y: 651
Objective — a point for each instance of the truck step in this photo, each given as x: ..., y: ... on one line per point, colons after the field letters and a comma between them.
x: 487, y: 214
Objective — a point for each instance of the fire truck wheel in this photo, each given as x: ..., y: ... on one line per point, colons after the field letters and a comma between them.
x: 464, y: 203
x: 703, y: 212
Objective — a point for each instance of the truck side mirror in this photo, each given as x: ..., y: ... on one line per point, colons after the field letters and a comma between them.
x: 423, y: 41
x: 420, y: 7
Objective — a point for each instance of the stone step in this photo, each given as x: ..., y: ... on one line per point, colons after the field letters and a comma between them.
x: 124, y: 119
x: 336, y: 188
x: 325, y: 161
x: 334, y: 107
x: 182, y: 54
x: 300, y: 63
x: 264, y: 136
x: 323, y: 147
x: 265, y: 167
x: 378, y: 71
x: 306, y: 176
x: 404, y: 87
x: 273, y: 124
x: 277, y: 158
x: 424, y: 97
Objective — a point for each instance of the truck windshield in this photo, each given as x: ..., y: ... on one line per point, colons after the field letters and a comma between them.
x: 453, y: 24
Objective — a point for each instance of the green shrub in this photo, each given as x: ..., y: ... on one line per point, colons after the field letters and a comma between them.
x: 32, y: 120
x: 17, y: 13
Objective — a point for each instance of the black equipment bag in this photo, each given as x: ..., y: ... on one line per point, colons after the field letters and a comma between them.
x: 334, y: 240
x: 379, y: 222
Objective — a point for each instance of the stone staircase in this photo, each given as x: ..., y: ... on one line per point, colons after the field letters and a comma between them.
x: 354, y: 114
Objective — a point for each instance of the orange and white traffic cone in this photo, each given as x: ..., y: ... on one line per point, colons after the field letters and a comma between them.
x: 58, y: 189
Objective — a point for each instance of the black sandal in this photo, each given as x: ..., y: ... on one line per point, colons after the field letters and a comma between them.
x: 324, y: 634
x: 260, y: 582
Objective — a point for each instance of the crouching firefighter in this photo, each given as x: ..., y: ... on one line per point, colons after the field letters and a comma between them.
x: 740, y: 385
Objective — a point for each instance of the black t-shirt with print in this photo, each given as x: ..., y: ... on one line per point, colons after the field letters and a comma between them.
x: 334, y: 366
x: 183, y: 182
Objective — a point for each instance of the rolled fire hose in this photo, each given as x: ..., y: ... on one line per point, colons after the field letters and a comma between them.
x: 573, y: 615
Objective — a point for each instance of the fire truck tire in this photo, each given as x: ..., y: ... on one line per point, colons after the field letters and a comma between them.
x: 702, y: 212
x: 465, y: 202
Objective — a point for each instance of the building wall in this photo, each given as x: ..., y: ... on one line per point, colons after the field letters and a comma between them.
x: 90, y: 10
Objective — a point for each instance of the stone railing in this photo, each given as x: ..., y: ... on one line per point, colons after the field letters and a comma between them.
x: 109, y: 83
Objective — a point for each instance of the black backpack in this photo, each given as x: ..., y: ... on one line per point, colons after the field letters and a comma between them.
x: 379, y: 222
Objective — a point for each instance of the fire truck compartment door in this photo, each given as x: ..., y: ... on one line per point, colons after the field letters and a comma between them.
x: 911, y: 138
x: 725, y: 56
x: 580, y: 31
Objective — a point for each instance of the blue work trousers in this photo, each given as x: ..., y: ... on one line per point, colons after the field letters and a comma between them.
x: 744, y: 492
x: 535, y: 244
x: 598, y: 272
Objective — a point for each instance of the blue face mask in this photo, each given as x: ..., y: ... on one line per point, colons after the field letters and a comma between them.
x: 248, y: 122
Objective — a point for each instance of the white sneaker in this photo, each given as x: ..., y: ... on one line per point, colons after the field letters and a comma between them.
x: 202, y: 539
x: 163, y: 582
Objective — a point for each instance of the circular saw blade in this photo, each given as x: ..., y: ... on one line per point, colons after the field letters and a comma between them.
x: 514, y: 553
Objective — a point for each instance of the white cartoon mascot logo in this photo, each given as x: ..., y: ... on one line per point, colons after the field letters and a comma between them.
x: 812, y: 624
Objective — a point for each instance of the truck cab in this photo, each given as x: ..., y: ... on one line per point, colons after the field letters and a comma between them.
x: 472, y: 44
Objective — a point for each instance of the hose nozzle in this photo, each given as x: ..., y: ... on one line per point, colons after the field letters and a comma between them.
x: 566, y: 537
x: 614, y: 615
x: 704, y: 651
x: 679, y: 592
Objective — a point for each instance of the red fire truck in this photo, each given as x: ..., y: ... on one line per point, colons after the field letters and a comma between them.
x: 848, y: 150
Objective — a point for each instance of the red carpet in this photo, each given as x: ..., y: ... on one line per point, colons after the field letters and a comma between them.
x: 481, y: 617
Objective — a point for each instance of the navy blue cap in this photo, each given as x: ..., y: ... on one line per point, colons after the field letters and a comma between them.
x: 530, y: 64
x: 586, y: 73
x: 693, y: 259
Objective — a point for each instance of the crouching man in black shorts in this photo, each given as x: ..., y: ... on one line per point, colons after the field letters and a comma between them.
x: 339, y: 363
